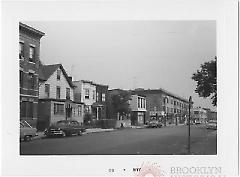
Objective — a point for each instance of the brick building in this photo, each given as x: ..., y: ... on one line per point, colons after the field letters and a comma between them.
x: 29, y: 51
x: 100, y: 106
x: 163, y: 105
x: 199, y: 115
x: 138, y: 109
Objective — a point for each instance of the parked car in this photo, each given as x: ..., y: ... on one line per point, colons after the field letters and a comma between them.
x: 154, y: 124
x: 27, y: 132
x: 65, y: 128
x: 197, y: 122
x: 212, y: 124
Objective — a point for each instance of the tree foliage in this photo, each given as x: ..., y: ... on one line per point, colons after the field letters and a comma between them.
x: 120, y: 103
x: 206, y: 79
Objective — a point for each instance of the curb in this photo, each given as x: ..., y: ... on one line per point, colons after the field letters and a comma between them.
x: 85, y: 133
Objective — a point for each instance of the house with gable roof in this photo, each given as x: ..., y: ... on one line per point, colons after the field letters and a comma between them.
x: 56, y: 100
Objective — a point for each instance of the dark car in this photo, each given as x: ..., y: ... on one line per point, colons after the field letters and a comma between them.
x: 154, y: 124
x: 65, y: 128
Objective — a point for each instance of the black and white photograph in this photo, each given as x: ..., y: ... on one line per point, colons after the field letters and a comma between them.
x: 120, y: 88
x: 154, y: 82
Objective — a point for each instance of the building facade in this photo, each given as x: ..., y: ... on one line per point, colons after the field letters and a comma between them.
x: 29, y: 52
x: 85, y: 92
x: 56, y: 101
x: 199, y: 115
x: 164, y: 106
x: 138, y: 109
x: 100, y: 106
x: 94, y: 96
x: 211, y: 115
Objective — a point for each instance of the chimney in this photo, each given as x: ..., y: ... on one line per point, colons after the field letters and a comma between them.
x: 70, y: 78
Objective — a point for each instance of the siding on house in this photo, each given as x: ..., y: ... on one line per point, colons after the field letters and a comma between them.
x: 53, y: 82
x: 79, y: 93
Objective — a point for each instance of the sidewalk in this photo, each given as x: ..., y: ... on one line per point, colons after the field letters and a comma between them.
x: 88, y: 131
x: 97, y: 130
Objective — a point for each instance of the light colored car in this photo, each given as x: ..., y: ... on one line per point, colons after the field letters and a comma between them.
x: 197, y: 122
x: 212, y: 124
x: 27, y: 132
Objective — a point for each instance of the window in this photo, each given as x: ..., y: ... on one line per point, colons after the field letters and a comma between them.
x: 87, y: 109
x: 103, y: 97
x: 58, y: 74
x: 167, y: 109
x: 196, y: 112
x: 86, y: 93
x: 166, y: 100
x: 31, y: 54
x: 138, y: 102
x: 31, y: 81
x: 93, y: 95
x: 175, y: 111
x: 74, y: 112
x: 97, y: 97
x: 47, y: 90
x: 58, y: 109
x: 171, y: 101
x: 174, y: 103
x: 144, y: 103
x: 58, y: 91
x: 21, y: 78
x: 67, y: 93
x: 21, y: 50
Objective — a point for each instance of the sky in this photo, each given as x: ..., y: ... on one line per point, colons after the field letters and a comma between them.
x: 131, y: 54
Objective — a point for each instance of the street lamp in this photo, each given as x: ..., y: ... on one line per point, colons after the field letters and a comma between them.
x: 189, y: 113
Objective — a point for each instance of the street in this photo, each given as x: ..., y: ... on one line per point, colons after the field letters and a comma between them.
x: 170, y: 140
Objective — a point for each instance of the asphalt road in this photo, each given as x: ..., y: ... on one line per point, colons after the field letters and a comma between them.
x: 161, y: 141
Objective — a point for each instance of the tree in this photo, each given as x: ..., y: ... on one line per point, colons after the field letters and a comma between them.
x: 120, y: 103
x: 206, y: 79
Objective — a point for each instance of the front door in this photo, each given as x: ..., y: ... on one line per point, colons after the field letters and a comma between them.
x: 68, y: 111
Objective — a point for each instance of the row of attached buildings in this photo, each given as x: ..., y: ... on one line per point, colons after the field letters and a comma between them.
x: 48, y: 94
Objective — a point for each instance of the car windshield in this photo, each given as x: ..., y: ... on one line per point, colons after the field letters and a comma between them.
x: 25, y: 124
x: 62, y: 123
x: 74, y: 123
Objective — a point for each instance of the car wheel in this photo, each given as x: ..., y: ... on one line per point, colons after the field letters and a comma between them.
x: 27, y: 138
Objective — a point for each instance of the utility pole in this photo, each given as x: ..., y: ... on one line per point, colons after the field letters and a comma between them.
x: 189, y: 112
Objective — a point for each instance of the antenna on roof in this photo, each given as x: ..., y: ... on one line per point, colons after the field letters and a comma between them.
x: 134, y: 82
